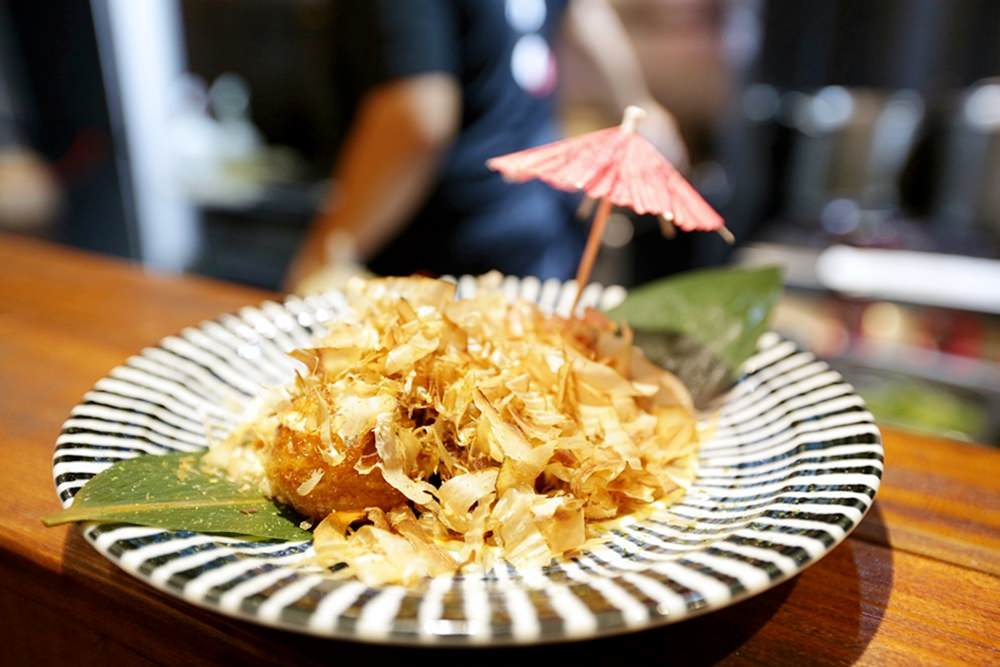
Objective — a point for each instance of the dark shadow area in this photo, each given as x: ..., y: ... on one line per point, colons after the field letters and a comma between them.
x: 827, y: 615
x: 875, y: 573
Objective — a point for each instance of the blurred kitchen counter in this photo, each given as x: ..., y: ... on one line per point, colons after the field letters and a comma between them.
x: 917, y: 583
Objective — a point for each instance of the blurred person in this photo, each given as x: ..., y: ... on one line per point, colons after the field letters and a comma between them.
x: 432, y: 89
x: 29, y: 190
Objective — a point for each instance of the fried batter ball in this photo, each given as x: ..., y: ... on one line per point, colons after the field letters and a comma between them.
x: 295, y: 460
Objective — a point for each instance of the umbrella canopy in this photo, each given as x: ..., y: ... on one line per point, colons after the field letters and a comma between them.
x: 618, y: 167
x: 617, y: 164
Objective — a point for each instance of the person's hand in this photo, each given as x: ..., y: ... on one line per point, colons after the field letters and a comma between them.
x: 306, y: 262
x: 660, y: 128
x: 323, y: 264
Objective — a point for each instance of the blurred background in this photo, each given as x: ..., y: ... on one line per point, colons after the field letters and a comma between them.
x: 855, y: 143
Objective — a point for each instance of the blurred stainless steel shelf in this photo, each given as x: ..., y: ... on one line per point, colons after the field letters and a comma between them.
x: 960, y: 372
x: 920, y: 278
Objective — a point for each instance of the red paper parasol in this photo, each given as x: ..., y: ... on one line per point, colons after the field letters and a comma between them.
x: 618, y: 167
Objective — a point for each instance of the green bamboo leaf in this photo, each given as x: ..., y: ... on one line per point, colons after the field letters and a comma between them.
x: 702, y: 325
x: 173, y: 492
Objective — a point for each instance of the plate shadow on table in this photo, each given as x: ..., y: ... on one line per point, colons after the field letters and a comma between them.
x: 826, y: 615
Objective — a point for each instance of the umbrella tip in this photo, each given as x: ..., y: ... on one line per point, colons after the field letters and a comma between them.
x: 631, y: 118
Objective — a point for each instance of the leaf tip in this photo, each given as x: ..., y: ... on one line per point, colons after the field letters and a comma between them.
x: 56, y: 519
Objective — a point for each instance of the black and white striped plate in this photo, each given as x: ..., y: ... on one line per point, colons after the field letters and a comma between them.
x: 790, y: 465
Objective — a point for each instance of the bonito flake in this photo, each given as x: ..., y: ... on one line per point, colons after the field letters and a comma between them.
x: 429, y: 435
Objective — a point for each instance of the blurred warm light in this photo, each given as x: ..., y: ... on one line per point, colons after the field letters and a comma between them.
x: 29, y: 192
x: 884, y: 321
x: 814, y: 325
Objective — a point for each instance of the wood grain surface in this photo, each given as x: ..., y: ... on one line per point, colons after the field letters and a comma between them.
x: 917, y: 583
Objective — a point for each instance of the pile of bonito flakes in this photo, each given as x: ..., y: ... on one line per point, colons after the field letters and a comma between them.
x: 428, y: 435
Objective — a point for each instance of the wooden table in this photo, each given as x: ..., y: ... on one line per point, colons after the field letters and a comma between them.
x: 917, y: 583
